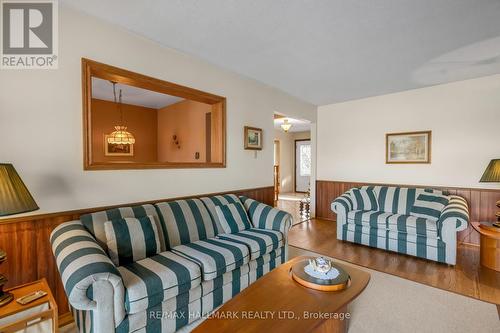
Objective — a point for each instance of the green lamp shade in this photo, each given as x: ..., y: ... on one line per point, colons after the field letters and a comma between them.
x: 492, y: 173
x: 14, y: 196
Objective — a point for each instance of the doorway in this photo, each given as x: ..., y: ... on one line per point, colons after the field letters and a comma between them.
x: 302, y: 165
x: 291, y: 188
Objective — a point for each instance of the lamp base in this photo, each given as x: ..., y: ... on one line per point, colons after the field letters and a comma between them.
x: 5, y: 298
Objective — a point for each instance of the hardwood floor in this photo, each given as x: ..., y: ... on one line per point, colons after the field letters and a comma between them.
x: 467, y: 278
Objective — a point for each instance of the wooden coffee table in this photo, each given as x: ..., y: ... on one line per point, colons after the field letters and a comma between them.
x: 276, y: 303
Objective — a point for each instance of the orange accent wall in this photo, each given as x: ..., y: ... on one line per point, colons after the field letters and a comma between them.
x: 186, y: 119
x: 141, y: 122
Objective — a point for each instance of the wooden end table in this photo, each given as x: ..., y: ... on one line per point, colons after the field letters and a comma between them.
x: 489, y: 246
x: 276, y: 303
x: 37, y: 316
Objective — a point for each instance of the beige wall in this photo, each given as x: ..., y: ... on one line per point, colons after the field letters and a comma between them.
x: 42, y: 110
x: 140, y: 121
x: 287, y: 157
x: 186, y: 120
x: 463, y: 116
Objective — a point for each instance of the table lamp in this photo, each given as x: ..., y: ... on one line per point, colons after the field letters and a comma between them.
x: 492, y: 175
x: 14, y: 199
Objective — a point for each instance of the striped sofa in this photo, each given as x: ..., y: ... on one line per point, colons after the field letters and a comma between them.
x: 199, y: 269
x: 413, y: 221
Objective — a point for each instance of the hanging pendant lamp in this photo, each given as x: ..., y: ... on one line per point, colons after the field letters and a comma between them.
x: 120, y: 136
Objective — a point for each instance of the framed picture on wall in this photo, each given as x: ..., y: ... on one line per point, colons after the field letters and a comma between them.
x: 111, y: 149
x: 253, y: 138
x: 409, y: 147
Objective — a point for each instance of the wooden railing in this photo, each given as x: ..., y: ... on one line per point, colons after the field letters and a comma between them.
x: 276, y: 183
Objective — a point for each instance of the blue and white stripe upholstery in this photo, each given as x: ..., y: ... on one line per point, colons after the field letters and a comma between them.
x: 429, y: 206
x: 166, y: 291
x: 176, y: 312
x: 398, y: 200
x: 167, y: 316
x: 150, y: 281
x: 404, y: 223
x: 414, y: 245
x: 185, y: 221
x: 259, y: 241
x: 233, y: 217
x: 132, y: 239
x: 94, y: 222
x: 456, y: 213
x: 364, y: 198
x: 214, y: 256
x: 218, y: 200
x: 264, y: 216
x: 228, y: 277
x: 397, y: 222
x: 87, y: 273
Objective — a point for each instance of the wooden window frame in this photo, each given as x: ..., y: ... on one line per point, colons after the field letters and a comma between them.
x: 92, y: 68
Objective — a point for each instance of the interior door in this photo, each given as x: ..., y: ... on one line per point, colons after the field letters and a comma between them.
x: 302, y: 165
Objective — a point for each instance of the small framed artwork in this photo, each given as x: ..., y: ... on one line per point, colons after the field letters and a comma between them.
x: 253, y: 138
x: 111, y: 149
x: 410, y: 147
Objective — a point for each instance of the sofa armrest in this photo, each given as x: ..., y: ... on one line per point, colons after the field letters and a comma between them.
x: 342, y: 205
x: 266, y: 217
x: 455, y: 215
x: 91, y: 281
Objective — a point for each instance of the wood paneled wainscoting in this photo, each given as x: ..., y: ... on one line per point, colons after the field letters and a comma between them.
x: 29, y: 254
x: 481, y: 202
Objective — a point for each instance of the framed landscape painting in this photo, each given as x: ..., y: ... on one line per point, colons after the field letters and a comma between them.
x: 410, y: 147
x: 253, y: 138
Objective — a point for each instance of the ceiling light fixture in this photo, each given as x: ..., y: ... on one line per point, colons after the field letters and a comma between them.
x: 286, y: 126
x: 120, y: 136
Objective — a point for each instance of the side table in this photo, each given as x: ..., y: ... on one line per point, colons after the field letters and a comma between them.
x: 490, y: 246
x: 37, y: 316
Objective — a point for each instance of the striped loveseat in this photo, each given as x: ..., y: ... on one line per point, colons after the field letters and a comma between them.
x: 199, y: 268
x: 413, y: 221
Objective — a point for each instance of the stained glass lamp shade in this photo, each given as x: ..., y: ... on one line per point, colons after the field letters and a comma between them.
x: 121, y: 136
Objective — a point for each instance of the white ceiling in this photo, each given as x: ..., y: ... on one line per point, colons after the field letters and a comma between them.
x: 297, y: 125
x: 103, y: 89
x: 323, y: 51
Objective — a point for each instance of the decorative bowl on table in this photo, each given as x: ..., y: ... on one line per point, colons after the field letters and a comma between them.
x: 321, y: 274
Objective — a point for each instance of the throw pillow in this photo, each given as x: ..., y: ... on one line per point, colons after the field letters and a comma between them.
x: 131, y: 239
x: 364, y: 199
x: 429, y: 206
x: 233, y: 217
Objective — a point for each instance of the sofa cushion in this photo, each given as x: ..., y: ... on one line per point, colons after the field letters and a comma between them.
x: 397, y: 200
x: 131, y: 239
x: 94, y: 222
x: 395, y: 222
x: 364, y: 198
x: 429, y: 206
x: 214, y: 256
x: 222, y: 280
x: 185, y: 221
x: 233, y: 217
x: 218, y: 200
x: 150, y: 281
x: 258, y: 241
